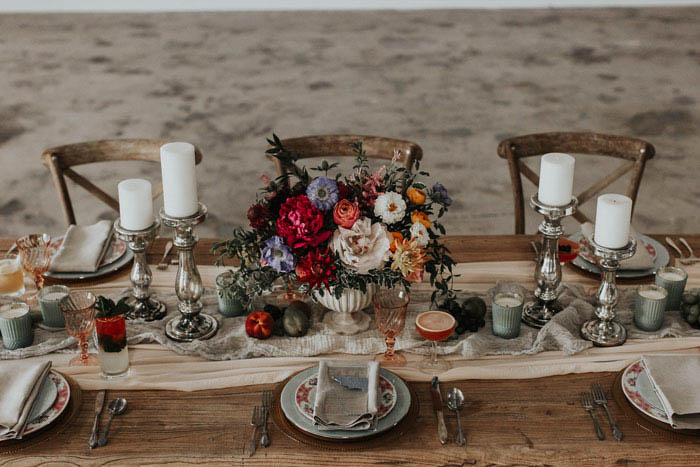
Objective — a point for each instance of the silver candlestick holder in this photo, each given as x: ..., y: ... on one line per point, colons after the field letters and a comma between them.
x: 604, y: 331
x: 191, y: 324
x: 548, y: 272
x: 143, y: 306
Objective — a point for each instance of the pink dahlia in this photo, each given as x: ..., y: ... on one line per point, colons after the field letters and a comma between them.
x: 300, y: 223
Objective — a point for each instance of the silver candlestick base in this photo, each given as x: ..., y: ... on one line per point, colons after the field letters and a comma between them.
x: 604, y: 331
x: 143, y: 306
x: 191, y: 324
x: 548, y: 271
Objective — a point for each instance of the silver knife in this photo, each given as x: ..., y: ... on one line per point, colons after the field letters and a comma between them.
x: 351, y: 382
x: 99, y: 403
x: 437, y: 407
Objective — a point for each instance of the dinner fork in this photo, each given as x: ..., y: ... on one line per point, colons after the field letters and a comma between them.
x: 600, y: 399
x: 587, y: 403
x: 163, y: 263
x: 690, y: 260
x: 266, y: 400
x: 256, y: 422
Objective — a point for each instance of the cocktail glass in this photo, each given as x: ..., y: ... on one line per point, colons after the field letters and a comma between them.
x: 390, y: 314
x: 36, y: 257
x: 78, y: 308
x: 435, y: 326
x: 111, y: 346
x: 11, y: 277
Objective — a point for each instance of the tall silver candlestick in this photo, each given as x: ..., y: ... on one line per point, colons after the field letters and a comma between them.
x: 191, y: 324
x: 143, y: 306
x: 604, y: 331
x: 548, y: 271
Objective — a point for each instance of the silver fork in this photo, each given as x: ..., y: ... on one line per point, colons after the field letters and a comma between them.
x: 163, y: 265
x: 256, y: 422
x: 692, y: 257
x: 600, y: 399
x: 587, y: 403
x: 266, y: 400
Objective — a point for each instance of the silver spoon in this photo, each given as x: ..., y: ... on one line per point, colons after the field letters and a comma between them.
x: 116, y: 407
x: 455, y: 400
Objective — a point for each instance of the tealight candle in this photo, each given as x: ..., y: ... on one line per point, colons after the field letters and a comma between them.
x: 506, y: 313
x: 135, y: 204
x: 650, y: 304
x: 179, y: 181
x: 612, y: 221
x: 672, y: 279
x: 507, y: 301
x: 653, y: 294
x: 556, y: 179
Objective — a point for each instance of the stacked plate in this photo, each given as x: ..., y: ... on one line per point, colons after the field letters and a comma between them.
x: 586, y: 261
x: 116, y: 257
x: 299, y: 394
x: 51, y: 402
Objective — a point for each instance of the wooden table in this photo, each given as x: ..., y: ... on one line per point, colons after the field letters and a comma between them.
x: 507, y: 421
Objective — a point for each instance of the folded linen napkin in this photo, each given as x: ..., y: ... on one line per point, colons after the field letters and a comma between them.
x: 19, y: 386
x: 642, y: 259
x: 676, y: 379
x: 83, y: 248
x: 340, y: 408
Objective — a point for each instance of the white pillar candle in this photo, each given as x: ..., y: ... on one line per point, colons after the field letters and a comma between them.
x: 135, y: 204
x: 179, y: 180
x: 612, y: 221
x: 556, y: 179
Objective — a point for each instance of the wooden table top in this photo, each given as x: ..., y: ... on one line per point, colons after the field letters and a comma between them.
x: 536, y: 421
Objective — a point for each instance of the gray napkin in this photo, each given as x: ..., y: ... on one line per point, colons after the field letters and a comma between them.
x: 83, y: 248
x: 676, y: 379
x: 340, y: 408
x: 19, y: 385
x: 642, y: 259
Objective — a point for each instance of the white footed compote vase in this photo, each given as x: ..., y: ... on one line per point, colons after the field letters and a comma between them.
x: 191, y: 324
x: 604, y: 331
x: 346, y: 315
x: 143, y: 306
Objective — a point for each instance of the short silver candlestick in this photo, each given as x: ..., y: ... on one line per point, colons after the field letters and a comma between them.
x: 143, y: 306
x: 604, y: 331
x: 548, y: 272
x: 191, y: 324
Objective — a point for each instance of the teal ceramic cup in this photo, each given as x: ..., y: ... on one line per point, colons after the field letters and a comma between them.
x: 48, y: 302
x: 16, y: 326
x: 649, y: 307
x: 229, y: 306
x: 506, y: 313
x: 672, y: 279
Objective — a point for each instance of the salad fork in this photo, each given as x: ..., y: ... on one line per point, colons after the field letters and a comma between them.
x: 587, y: 403
x: 256, y: 422
x: 600, y: 399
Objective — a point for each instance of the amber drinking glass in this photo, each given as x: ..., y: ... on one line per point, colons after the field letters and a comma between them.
x: 390, y: 314
x: 78, y: 308
x: 11, y: 277
x: 36, y: 256
x: 435, y: 326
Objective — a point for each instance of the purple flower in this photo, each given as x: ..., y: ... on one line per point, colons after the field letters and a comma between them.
x: 323, y: 193
x: 278, y: 255
x: 440, y: 194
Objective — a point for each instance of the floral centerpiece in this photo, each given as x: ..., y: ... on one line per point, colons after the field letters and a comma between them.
x: 344, y: 232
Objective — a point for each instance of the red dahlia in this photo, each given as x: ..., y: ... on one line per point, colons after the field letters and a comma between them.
x: 258, y: 215
x: 300, y: 223
x: 316, y: 268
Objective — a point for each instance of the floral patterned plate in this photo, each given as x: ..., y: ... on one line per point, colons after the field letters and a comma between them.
x: 59, y: 405
x: 640, y: 392
x: 306, y: 395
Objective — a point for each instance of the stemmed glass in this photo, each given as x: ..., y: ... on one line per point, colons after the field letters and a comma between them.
x: 78, y: 308
x: 390, y: 314
x: 36, y: 256
x: 435, y: 326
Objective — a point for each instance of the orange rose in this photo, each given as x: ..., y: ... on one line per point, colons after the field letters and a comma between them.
x: 421, y: 217
x: 416, y: 195
x: 395, y: 237
x: 345, y: 213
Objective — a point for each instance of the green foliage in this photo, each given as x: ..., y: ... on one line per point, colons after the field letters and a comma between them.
x: 105, y: 307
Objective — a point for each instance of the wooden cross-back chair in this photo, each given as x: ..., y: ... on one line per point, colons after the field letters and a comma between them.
x: 634, y: 152
x: 61, y: 160
x: 376, y: 147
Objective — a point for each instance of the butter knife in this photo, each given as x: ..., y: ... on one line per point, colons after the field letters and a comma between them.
x: 437, y: 407
x: 351, y: 382
x: 99, y: 403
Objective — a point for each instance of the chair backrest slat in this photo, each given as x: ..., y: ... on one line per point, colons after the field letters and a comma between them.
x: 634, y: 151
x: 61, y: 159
